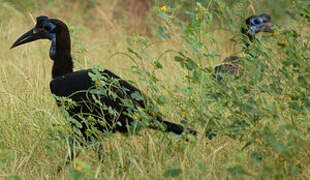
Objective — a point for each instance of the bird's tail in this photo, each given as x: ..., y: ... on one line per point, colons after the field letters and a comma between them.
x: 177, y: 128
x: 173, y: 127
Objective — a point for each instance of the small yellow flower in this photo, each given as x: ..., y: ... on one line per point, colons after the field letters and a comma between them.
x: 184, y: 113
x: 225, y: 79
x: 78, y: 168
x: 69, y: 100
x: 163, y: 8
x: 278, y: 108
x: 258, y: 140
x: 276, y: 33
x: 284, y: 41
x: 198, y: 65
x: 287, y: 134
x: 97, y: 83
x: 202, y: 11
x: 136, y: 116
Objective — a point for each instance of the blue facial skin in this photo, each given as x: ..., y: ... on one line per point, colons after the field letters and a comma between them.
x: 52, y: 36
x: 256, y: 24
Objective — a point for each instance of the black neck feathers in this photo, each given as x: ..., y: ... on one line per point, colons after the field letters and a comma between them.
x: 248, y: 33
x: 63, y: 64
x: 61, y: 56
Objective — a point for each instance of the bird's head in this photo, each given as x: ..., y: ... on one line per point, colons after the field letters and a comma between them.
x: 47, y: 28
x: 257, y: 23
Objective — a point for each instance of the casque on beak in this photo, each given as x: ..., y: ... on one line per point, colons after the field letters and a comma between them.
x: 32, y: 35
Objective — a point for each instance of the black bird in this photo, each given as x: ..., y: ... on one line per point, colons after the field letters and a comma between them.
x: 253, y: 25
x: 108, y: 106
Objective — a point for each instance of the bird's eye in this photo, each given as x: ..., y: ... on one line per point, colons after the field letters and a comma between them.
x: 257, y: 21
x: 47, y: 28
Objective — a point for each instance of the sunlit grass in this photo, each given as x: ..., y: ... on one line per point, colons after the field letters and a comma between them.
x: 30, y: 119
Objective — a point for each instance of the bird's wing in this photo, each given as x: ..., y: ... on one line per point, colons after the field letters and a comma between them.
x: 127, y: 90
x: 77, y: 84
x: 71, y: 83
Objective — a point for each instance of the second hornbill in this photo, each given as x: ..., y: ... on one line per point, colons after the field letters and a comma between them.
x: 77, y: 85
x: 253, y: 25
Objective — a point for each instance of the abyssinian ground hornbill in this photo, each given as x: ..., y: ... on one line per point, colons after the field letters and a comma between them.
x: 110, y: 102
x: 253, y: 25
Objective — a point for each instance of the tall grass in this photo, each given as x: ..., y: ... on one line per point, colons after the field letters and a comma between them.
x: 258, y: 126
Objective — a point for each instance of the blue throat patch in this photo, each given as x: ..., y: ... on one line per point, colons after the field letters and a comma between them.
x: 53, y: 45
x: 53, y: 39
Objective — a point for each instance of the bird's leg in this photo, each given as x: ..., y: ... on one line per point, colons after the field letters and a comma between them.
x: 99, y: 151
x: 70, y: 156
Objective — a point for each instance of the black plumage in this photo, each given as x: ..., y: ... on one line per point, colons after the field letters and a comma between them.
x: 232, y: 65
x: 78, y: 86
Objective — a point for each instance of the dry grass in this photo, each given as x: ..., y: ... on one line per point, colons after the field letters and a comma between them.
x: 28, y: 111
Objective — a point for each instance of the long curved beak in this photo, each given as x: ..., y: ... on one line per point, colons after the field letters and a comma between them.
x: 32, y: 35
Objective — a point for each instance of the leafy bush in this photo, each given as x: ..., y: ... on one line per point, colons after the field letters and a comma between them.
x: 254, y: 126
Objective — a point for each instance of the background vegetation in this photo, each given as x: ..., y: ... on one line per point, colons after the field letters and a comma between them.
x: 256, y: 126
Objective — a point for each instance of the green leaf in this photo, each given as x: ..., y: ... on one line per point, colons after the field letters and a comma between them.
x: 137, y: 96
x: 197, y: 75
x: 13, y: 177
x: 158, y: 65
x: 162, y: 100
x: 179, y: 59
x: 162, y: 32
x: 256, y: 157
x: 164, y: 15
x: 190, y: 64
x: 172, y: 172
x: 134, y: 52
x: 237, y: 171
x: 76, y: 175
